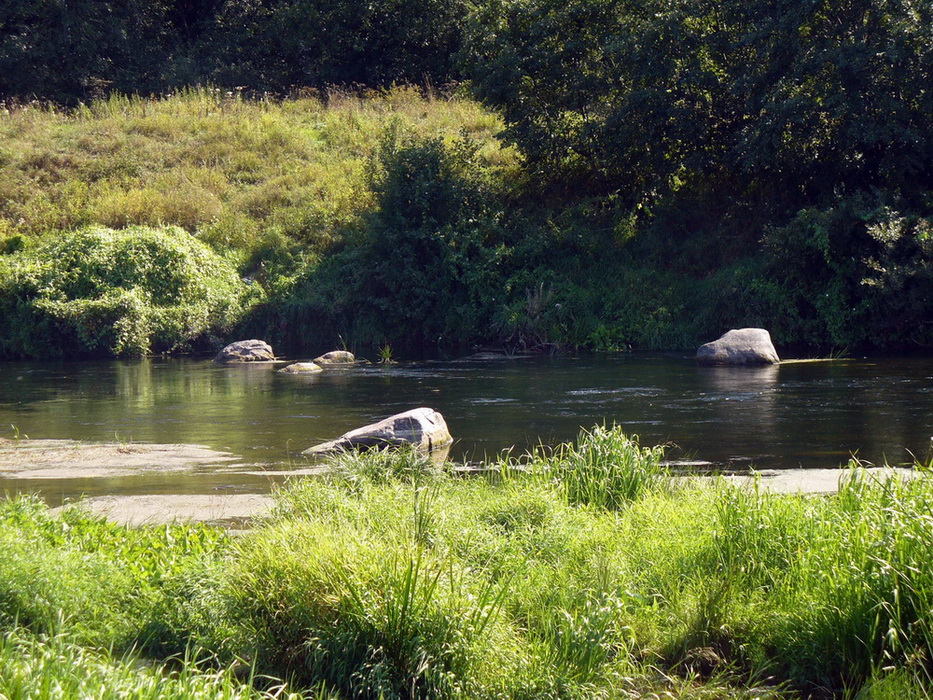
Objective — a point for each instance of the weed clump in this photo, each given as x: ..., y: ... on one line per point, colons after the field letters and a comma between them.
x: 123, y: 293
x: 607, y: 468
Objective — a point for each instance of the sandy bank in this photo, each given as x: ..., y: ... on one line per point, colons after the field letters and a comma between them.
x: 69, y: 459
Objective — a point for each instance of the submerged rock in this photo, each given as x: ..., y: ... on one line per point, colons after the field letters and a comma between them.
x: 423, y: 428
x: 246, y: 351
x: 335, y: 357
x: 483, y: 356
x: 302, y: 368
x: 744, y: 346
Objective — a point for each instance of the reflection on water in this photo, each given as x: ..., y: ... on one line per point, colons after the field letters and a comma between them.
x: 742, y: 380
x: 790, y: 415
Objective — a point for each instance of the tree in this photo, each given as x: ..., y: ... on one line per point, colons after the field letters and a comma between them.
x: 776, y: 96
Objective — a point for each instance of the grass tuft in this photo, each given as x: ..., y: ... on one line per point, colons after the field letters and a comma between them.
x: 608, y: 469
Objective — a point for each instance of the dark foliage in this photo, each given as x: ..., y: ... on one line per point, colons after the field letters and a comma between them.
x: 428, y: 264
x: 773, y: 98
x: 75, y: 50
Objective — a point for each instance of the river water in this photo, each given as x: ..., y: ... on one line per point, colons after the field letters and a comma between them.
x: 786, y: 416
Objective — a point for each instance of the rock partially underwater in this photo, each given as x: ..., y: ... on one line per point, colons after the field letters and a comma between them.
x: 335, y: 357
x: 423, y: 428
x: 302, y: 368
x: 246, y: 351
x: 744, y: 346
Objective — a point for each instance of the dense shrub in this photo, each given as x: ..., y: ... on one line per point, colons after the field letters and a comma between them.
x: 120, y: 293
x: 853, y: 274
x: 309, y: 43
x: 426, y: 266
x: 768, y: 99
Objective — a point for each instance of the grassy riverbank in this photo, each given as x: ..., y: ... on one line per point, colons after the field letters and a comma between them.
x: 587, y: 573
x: 347, y: 219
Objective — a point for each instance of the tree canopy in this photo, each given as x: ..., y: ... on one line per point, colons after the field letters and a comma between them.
x: 788, y: 99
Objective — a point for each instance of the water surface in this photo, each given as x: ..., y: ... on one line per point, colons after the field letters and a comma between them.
x: 786, y: 416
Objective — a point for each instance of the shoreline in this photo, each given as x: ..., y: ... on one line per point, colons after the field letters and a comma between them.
x: 48, y: 461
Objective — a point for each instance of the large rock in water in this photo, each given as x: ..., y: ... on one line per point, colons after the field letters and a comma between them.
x: 335, y: 357
x: 745, y: 346
x: 423, y: 428
x: 246, y: 351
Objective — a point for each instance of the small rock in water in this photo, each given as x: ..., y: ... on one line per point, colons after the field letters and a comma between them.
x: 246, y: 351
x: 336, y: 357
x: 483, y: 356
x: 302, y: 368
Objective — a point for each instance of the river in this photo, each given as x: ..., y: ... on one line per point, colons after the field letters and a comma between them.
x: 791, y: 415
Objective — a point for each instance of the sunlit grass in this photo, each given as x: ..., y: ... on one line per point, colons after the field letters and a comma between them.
x: 239, y: 172
x: 55, y: 666
x: 387, y: 578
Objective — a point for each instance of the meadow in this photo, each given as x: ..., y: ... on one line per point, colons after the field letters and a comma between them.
x: 581, y: 571
x: 242, y: 173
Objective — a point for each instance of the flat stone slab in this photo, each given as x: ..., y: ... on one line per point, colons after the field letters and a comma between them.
x: 70, y: 459
x: 825, y: 481
x: 135, y: 511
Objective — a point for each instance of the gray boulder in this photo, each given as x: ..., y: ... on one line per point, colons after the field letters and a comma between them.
x: 335, y: 357
x: 302, y: 368
x: 246, y: 351
x: 744, y: 346
x: 423, y: 428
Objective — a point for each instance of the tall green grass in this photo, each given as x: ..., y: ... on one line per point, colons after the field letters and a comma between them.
x: 56, y: 666
x: 607, y: 468
x: 385, y: 579
x: 107, y: 585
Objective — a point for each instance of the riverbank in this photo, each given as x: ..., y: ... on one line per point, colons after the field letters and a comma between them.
x: 42, y: 463
x: 324, y: 221
x: 587, y: 572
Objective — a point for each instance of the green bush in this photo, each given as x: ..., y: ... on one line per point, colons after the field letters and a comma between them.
x: 854, y: 273
x: 75, y: 51
x: 426, y: 264
x: 120, y: 293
